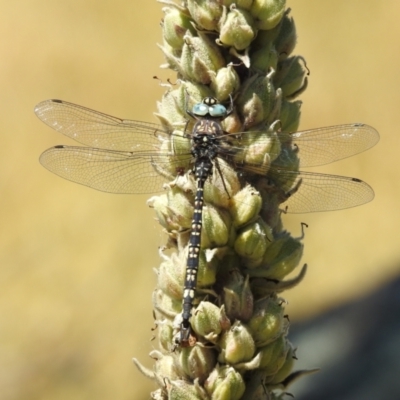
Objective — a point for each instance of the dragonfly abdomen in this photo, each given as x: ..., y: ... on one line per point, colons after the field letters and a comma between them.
x: 203, y: 169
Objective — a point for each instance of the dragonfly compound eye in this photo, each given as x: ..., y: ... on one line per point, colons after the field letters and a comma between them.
x: 200, y: 109
x: 217, y: 111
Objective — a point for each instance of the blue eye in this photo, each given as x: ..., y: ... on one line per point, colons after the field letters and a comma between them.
x: 200, y: 109
x: 218, y: 110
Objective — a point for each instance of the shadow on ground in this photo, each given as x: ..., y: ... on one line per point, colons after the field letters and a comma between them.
x: 357, y: 347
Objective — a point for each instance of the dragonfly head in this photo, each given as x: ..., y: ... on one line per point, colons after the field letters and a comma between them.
x: 210, y: 107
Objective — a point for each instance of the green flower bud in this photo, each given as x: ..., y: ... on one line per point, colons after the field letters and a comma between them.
x: 175, y: 103
x: 197, y: 362
x: 208, y: 320
x: 225, y: 82
x: 237, y: 345
x: 267, y: 322
x: 253, y: 241
x: 191, y: 93
x: 259, y: 150
x: 257, y: 99
x: 224, y: 383
x: 171, y: 57
x: 182, y: 390
x: 220, y: 189
x: 286, y: 40
x: 201, y: 58
x: 165, y: 306
x: 290, y: 115
x: 160, y: 205
x: 264, y: 59
x: 285, y: 260
x: 229, y: 265
x: 180, y: 208
x: 165, y: 336
x: 232, y: 123
x: 245, y: 206
x: 281, y: 39
x: 237, y: 29
x: 175, y: 25
x: 243, y: 4
x: 280, y: 259
x: 171, y: 109
x: 215, y: 231
x: 206, y: 13
x: 267, y: 13
x: 171, y: 276
x: 284, y: 371
x: 165, y: 366
x: 207, y: 271
x: 238, y: 298
x: 291, y: 77
x: 273, y: 356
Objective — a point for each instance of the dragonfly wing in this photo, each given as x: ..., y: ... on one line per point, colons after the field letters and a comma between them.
x: 325, y: 145
x: 112, y: 171
x: 322, y: 192
x: 314, y: 147
x: 95, y: 129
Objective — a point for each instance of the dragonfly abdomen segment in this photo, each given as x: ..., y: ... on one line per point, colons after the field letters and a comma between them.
x: 203, y: 170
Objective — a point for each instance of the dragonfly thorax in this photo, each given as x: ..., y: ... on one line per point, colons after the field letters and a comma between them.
x: 205, y: 139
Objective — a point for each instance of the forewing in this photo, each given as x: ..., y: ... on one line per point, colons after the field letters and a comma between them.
x: 325, y: 145
x: 95, y: 129
x: 314, y: 147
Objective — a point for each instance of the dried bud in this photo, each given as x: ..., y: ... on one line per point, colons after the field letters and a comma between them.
x: 237, y: 345
x: 237, y: 29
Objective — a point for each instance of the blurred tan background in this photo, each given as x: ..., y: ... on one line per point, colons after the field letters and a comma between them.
x: 76, y: 265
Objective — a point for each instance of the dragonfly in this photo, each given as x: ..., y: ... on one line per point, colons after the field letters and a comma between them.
x: 132, y: 157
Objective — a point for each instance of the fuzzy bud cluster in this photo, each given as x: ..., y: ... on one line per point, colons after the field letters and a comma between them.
x: 243, y: 49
